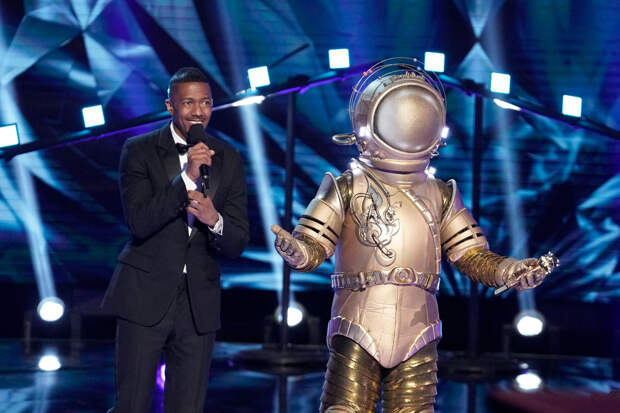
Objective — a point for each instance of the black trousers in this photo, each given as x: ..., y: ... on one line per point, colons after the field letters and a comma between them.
x: 187, y: 355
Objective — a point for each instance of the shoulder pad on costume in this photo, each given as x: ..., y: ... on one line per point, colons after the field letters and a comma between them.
x: 451, y: 197
x: 329, y: 192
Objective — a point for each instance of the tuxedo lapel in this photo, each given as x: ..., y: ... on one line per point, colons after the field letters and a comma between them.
x: 214, y: 175
x: 168, y: 153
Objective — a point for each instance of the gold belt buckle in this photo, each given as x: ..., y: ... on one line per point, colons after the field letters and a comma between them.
x: 404, y: 276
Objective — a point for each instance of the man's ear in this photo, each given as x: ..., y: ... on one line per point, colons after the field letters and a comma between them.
x: 169, y: 106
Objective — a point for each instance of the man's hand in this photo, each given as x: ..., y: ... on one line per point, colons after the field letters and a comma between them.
x: 202, y: 208
x: 290, y: 249
x: 199, y: 154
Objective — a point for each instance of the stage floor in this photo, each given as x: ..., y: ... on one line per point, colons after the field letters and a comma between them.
x: 84, y: 383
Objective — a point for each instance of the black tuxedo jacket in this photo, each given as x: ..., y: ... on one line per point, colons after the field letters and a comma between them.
x: 154, y: 197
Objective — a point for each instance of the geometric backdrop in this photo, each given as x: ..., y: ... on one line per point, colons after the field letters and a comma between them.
x: 545, y: 186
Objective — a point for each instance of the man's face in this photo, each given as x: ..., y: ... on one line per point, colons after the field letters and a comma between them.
x: 189, y: 103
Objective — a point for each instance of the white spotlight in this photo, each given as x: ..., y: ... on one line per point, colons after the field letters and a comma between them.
x: 505, y: 105
x: 434, y: 62
x: 93, y: 116
x: 500, y: 83
x: 49, y: 363
x: 51, y: 308
x: 571, y: 105
x: 338, y: 58
x: 250, y: 100
x: 529, y: 323
x: 294, y: 315
x: 259, y: 76
x: 445, y: 132
x: 9, y: 135
x: 528, y: 381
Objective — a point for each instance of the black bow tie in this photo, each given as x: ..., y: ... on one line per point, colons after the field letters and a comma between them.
x: 182, y: 148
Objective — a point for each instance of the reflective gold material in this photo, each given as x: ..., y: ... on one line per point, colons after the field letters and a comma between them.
x: 411, y: 386
x: 428, y: 335
x: 323, y: 217
x: 460, y: 233
x: 387, y: 319
x: 482, y: 265
x: 397, y: 276
x: 352, y: 379
x: 398, y: 114
x: 419, y: 203
x: 345, y: 187
x: 447, y: 196
x: 315, y: 253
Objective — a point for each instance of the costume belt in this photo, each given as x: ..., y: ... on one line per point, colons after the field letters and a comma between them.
x: 398, y: 276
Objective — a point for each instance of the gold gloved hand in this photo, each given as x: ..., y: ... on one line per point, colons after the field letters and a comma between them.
x: 292, y: 251
x: 526, y: 273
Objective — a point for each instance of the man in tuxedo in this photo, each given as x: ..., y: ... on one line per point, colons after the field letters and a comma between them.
x: 165, y: 290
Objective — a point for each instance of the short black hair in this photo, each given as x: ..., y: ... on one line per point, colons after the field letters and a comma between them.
x: 186, y: 75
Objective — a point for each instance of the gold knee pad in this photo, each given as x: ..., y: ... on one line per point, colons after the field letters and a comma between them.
x: 353, y: 379
x: 411, y: 386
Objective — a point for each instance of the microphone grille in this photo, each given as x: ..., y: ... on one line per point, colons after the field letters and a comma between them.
x: 196, y: 134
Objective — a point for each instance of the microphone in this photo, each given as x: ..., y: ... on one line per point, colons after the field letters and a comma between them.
x: 195, y: 135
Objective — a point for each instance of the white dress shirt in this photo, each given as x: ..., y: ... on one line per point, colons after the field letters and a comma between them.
x: 191, y: 185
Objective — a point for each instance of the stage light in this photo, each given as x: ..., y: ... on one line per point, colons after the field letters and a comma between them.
x: 9, y: 135
x: 505, y: 105
x: 434, y: 62
x: 430, y: 171
x: 445, y: 132
x: 259, y: 76
x: 295, y: 314
x: 500, y: 82
x: 338, y: 58
x: 571, y: 105
x: 49, y: 362
x: 93, y: 116
x: 51, y: 308
x: 250, y: 100
x: 529, y: 323
x: 528, y: 381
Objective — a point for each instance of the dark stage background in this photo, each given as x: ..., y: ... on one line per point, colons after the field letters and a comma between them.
x: 545, y: 185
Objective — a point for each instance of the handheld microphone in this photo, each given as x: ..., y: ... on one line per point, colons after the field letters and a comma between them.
x: 195, y: 135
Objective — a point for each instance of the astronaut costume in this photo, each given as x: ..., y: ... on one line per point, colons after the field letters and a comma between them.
x: 387, y: 222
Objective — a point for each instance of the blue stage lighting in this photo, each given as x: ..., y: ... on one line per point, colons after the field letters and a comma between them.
x: 500, y: 82
x: 259, y: 76
x: 529, y: 323
x: 93, y: 116
x: 49, y: 362
x: 571, y: 105
x: 51, y: 308
x: 295, y: 314
x: 338, y: 58
x: 505, y: 105
x: 9, y: 135
x: 434, y: 62
x: 528, y: 381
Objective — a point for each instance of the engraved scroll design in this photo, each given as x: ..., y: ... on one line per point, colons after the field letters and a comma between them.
x: 376, y: 221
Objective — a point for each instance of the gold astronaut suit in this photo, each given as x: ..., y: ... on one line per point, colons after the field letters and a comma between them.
x: 387, y: 222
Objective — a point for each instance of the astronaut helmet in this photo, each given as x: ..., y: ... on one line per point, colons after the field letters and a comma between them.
x: 398, y: 113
